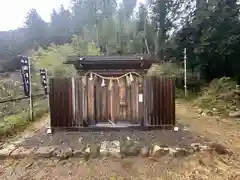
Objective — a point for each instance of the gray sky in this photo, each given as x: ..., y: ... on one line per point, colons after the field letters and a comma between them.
x: 13, y: 12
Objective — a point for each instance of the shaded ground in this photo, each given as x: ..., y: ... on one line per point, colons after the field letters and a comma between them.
x: 201, y: 166
x: 76, y: 140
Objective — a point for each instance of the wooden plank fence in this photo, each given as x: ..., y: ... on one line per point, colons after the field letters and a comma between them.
x: 75, y: 102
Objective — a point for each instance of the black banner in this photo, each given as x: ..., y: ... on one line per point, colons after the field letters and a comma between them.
x: 25, y: 74
x: 43, y: 77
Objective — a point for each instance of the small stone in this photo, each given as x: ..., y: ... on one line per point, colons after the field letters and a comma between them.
x: 220, y: 149
x: 87, y: 150
x: 129, y: 148
x: 158, y: 151
x: 144, y: 152
x: 209, y: 113
x: 95, y: 150
x: 104, y: 152
x: 22, y: 152
x: 44, y: 152
x: 214, y: 109
x: 199, y: 111
x: 78, y: 153
x: 179, y: 152
x: 176, y: 129
x: 203, y: 114
x: 63, y: 153
x: 196, y: 147
x: 80, y: 139
x: 234, y: 114
x: 49, y: 131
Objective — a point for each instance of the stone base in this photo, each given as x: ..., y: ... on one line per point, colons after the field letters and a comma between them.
x: 109, y: 149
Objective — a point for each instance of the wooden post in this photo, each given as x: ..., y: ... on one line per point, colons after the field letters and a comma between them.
x: 73, y: 99
x: 185, y: 72
x: 31, y: 113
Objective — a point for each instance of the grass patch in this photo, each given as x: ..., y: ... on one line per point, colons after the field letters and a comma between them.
x: 13, y: 124
x: 219, y: 95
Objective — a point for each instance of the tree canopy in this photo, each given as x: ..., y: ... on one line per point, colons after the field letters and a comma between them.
x: 210, y: 30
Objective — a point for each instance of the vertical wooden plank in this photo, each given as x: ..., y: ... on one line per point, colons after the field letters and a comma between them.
x: 170, y: 101
x: 73, y: 102
x: 79, y: 101
x: 104, y: 103
x: 98, y: 94
x: 157, y: 101
x: 51, y: 103
x: 110, y: 91
x: 148, y: 97
x: 63, y: 95
x: 144, y: 101
x: 136, y: 101
x: 95, y: 102
x: 173, y: 102
x: 84, y: 95
x: 90, y: 100
x: 141, y: 104
x: 167, y: 100
x: 163, y: 100
x: 76, y: 90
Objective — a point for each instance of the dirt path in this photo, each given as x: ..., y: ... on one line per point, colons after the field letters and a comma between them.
x: 222, y: 130
x: 202, y: 166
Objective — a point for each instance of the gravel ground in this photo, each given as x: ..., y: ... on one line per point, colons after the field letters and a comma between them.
x: 77, y: 139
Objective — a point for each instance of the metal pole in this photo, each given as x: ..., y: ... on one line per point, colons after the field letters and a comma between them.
x: 185, y: 72
x: 30, y: 91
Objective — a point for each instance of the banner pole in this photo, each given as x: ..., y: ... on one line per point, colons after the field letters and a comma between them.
x: 30, y: 92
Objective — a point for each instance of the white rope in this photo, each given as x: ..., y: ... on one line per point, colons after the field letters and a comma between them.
x: 112, y: 78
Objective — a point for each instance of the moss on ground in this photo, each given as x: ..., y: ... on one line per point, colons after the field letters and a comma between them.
x: 219, y: 95
x: 13, y: 124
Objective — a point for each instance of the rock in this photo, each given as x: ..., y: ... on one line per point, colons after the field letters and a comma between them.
x: 176, y: 129
x: 80, y: 139
x: 199, y: 111
x: 209, y: 113
x: 110, y: 148
x: 233, y: 108
x: 144, y: 151
x: 218, y: 119
x: 196, y: 147
x: 214, y: 109
x: 63, y: 153
x: 87, y: 149
x: 158, y: 151
x: 95, y: 150
x: 133, y: 150
x: 179, y: 152
x: 22, y: 152
x: 49, y: 131
x: 44, y: 152
x: 220, y: 149
x: 234, y: 114
x: 129, y: 148
x: 203, y: 114
x: 78, y: 153
x: 104, y: 152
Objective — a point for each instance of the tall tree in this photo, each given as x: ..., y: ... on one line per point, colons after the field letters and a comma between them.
x: 60, y: 26
x: 36, y: 27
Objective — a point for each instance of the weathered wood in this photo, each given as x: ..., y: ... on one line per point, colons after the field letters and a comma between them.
x: 73, y: 102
